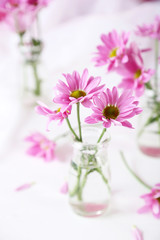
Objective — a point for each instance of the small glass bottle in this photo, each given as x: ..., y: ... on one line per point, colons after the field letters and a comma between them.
x: 89, y: 175
x: 31, y: 51
x: 149, y: 126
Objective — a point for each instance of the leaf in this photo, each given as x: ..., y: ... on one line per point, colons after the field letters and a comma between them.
x: 148, y: 85
x: 74, y: 165
x: 152, y: 120
x: 36, y: 42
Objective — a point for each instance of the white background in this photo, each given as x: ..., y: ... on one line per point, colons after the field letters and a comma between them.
x: 70, y: 30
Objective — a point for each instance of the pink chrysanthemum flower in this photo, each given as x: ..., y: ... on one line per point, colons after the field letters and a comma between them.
x: 57, y: 114
x: 42, y: 147
x: 144, y: 30
x: 20, y: 14
x: 133, y: 72
x: 150, y: 30
x: 77, y: 90
x: 113, y: 49
x: 19, y: 21
x: 109, y: 108
x: 152, y: 201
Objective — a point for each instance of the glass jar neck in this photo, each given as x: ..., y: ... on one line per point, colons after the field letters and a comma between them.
x: 30, y: 52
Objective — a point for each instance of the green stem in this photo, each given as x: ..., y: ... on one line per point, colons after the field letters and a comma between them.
x: 70, y: 127
x: 37, y: 90
x: 76, y: 189
x: 85, y: 180
x: 132, y: 172
x: 79, y: 121
x: 103, y: 177
x: 149, y: 121
x: 103, y: 132
x: 21, y: 38
x: 66, y: 133
x: 21, y: 43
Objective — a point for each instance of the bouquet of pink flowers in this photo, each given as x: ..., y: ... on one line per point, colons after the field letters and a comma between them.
x: 20, y: 14
x: 22, y: 17
x: 151, y: 124
x: 124, y: 59
x: 108, y: 107
x: 127, y: 61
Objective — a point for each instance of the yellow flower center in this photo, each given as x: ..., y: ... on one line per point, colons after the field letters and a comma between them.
x: 113, y: 52
x: 14, y: 4
x: 33, y: 2
x: 78, y: 94
x: 43, y: 145
x: 58, y: 110
x: 110, y: 112
x: 46, y: 147
x: 137, y: 74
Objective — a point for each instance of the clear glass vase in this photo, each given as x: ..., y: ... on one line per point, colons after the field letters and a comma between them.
x: 31, y: 82
x: 89, y: 175
x: 149, y: 126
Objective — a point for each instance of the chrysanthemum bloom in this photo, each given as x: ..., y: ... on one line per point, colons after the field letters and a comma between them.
x: 10, y: 5
x: 77, y: 90
x: 152, y: 201
x: 133, y: 72
x: 150, y: 30
x: 137, y: 234
x: 20, y: 21
x: 20, y: 14
x: 57, y: 114
x: 110, y: 108
x: 41, y: 147
x: 112, y: 51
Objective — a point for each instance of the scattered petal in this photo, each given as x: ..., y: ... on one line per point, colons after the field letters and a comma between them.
x: 64, y: 188
x: 25, y: 186
x: 137, y: 234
